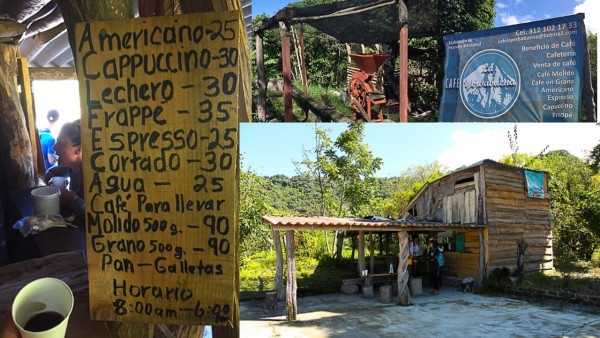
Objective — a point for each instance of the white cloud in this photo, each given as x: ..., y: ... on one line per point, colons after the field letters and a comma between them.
x: 591, y: 8
x: 501, y: 5
x: 471, y: 147
x: 510, y: 19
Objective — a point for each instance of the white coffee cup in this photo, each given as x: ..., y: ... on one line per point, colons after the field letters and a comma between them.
x: 46, y: 200
x: 42, y: 296
x: 59, y: 181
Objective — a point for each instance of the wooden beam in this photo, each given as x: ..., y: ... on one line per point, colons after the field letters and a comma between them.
x: 403, y: 76
x: 15, y: 144
x: 482, y: 255
x: 371, y: 254
x: 279, y: 263
x: 262, y: 82
x: 291, y: 287
x: 403, y: 274
x: 361, y: 252
x: 54, y: 73
x: 287, y: 72
x: 11, y: 29
x: 303, y: 61
x: 27, y: 104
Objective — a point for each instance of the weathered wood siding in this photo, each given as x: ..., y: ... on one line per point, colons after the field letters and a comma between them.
x: 466, y: 263
x: 447, y: 201
x: 512, y: 216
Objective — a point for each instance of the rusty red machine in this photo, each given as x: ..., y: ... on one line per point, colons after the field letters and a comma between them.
x: 362, y: 92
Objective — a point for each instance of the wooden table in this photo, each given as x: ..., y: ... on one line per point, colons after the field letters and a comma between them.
x: 69, y: 267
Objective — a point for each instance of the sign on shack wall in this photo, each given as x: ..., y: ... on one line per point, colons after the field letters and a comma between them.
x: 160, y: 141
x: 531, y: 72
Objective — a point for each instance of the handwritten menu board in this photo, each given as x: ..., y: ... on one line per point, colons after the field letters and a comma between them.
x: 160, y: 142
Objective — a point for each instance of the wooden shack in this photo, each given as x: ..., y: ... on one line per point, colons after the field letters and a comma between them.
x: 513, y: 206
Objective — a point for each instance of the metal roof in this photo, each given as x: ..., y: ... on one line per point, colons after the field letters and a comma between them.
x: 376, y: 224
x: 46, y: 44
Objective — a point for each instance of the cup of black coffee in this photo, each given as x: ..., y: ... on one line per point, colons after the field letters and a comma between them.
x: 42, y: 308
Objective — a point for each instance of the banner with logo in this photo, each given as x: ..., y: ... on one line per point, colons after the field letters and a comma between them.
x: 530, y: 72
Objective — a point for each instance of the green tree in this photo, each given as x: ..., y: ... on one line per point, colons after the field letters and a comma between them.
x: 353, y: 174
x: 410, y: 183
x: 254, y: 234
x: 574, y: 202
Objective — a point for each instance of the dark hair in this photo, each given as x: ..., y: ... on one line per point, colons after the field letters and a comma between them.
x: 73, y: 131
x: 52, y: 115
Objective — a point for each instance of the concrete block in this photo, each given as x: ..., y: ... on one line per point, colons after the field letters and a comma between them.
x: 415, y: 285
x: 349, y: 289
x: 386, y: 294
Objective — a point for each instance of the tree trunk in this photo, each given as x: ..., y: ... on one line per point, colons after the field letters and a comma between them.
x: 279, y: 266
x: 291, y: 287
x: 340, y: 234
x: 15, y: 152
x: 403, y: 291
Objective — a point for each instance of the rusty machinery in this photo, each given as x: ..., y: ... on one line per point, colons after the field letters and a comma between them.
x: 363, y: 94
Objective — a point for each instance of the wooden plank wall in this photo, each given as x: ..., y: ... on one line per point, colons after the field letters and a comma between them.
x: 512, y: 216
x: 461, y: 207
x: 466, y: 263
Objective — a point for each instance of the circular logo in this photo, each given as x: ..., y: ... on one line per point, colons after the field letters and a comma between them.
x: 490, y: 84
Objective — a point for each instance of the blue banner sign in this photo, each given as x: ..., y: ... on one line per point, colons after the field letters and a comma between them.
x: 530, y: 72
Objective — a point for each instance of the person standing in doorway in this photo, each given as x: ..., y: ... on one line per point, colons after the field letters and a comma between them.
x: 47, y: 141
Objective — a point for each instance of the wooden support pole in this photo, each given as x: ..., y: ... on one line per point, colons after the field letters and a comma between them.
x: 361, y: 252
x: 262, y: 82
x: 27, y: 104
x: 16, y: 155
x: 291, y: 287
x: 303, y: 61
x: 403, y: 94
x: 279, y: 270
x: 371, y: 253
x: 481, y: 258
x: 287, y: 71
x: 403, y: 275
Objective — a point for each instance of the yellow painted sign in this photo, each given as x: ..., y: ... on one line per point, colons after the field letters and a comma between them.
x: 160, y: 142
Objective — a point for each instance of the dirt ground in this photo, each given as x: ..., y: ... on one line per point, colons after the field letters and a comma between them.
x: 450, y: 314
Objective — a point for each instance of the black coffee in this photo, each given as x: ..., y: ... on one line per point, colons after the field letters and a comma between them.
x: 44, y: 321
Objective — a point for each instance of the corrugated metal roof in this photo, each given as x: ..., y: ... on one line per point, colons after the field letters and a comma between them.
x: 331, y: 223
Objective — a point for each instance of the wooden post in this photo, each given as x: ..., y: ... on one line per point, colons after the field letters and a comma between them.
x: 287, y: 71
x: 15, y: 145
x: 262, y: 82
x: 403, y: 94
x: 27, y: 104
x: 481, y: 258
x: 361, y: 252
x: 303, y: 61
x: 403, y: 275
x: 279, y: 261
x: 290, y: 298
x: 371, y: 253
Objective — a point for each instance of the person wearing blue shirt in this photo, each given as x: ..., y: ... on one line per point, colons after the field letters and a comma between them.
x: 47, y: 141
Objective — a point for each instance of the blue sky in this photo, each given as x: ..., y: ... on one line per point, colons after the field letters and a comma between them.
x: 508, y: 12
x: 271, y: 148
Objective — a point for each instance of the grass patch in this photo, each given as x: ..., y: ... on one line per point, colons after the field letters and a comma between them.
x: 257, y: 271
